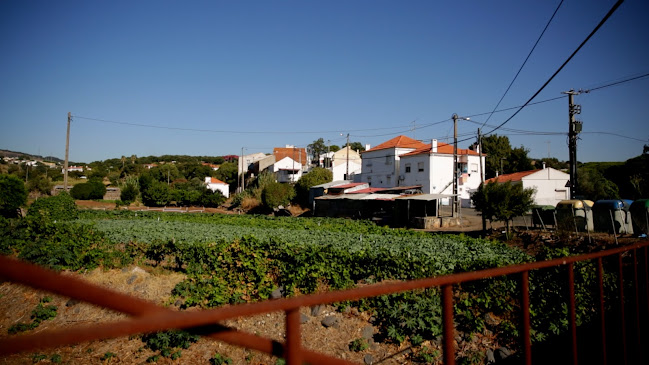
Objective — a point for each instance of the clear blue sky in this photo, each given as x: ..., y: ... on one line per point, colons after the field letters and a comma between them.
x: 263, y: 74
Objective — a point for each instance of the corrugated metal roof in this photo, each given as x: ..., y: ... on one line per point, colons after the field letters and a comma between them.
x: 359, y: 197
x: 425, y: 197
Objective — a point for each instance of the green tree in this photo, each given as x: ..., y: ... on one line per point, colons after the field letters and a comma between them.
x: 334, y: 148
x: 497, y: 150
x: 503, y: 201
x: 592, y: 185
x: 276, y: 194
x: 59, y: 207
x: 356, y: 146
x: 130, y: 190
x: 519, y: 161
x: 228, y: 173
x: 12, y: 195
x: 40, y: 184
x: 93, y: 189
x: 157, y: 194
x: 317, y: 148
x: 316, y: 176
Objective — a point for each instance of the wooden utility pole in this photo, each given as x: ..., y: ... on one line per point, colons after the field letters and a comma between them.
x: 67, y: 150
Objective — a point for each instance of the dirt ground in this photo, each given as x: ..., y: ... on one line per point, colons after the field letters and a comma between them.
x: 18, y: 301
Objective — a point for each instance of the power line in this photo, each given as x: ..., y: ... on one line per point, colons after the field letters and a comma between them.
x: 606, y: 17
x: 227, y: 131
x: 523, y: 65
x: 617, y: 83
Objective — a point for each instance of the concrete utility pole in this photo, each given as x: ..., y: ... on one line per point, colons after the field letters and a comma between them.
x: 454, y: 208
x: 484, y: 219
x: 67, y: 150
x: 347, y: 169
x: 574, y: 128
x: 243, y: 178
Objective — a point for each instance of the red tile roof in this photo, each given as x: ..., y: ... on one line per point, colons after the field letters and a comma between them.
x: 442, y: 148
x: 516, y: 176
x: 214, y: 180
x: 347, y: 186
x: 399, y: 142
x: 297, y: 154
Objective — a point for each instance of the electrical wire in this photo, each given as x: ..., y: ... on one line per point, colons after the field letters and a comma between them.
x: 231, y: 131
x: 606, y: 17
x: 524, y: 62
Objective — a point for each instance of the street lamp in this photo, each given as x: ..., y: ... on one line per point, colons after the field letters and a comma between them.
x: 454, y: 208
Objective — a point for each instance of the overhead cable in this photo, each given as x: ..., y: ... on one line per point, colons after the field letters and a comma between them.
x: 524, y: 62
x: 606, y: 17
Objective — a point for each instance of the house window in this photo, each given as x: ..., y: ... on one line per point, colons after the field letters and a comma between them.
x: 463, y: 167
x: 368, y: 164
x: 388, y: 160
x: 407, y: 168
x: 369, y: 180
x: 389, y: 178
x: 474, y: 167
x: 420, y: 166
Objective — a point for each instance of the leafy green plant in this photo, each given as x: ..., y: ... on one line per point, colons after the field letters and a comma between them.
x: 58, y: 208
x: 219, y: 359
x: 358, y: 345
x: 107, y: 356
x: 38, y: 358
x: 168, y: 343
x: 56, y: 359
x: 12, y: 195
x: 41, y: 313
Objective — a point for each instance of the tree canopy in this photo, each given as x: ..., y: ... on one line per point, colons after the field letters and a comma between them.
x: 502, y: 201
x: 12, y: 195
x: 500, y: 154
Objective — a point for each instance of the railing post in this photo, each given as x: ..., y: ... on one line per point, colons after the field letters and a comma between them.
x: 447, y: 325
x: 293, y: 352
x: 636, y: 285
x: 622, y: 317
x: 602, y: 312
x: 525, y: 309
x: 572, y: 312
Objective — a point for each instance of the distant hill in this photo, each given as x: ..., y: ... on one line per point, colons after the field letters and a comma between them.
x: 27, y: 156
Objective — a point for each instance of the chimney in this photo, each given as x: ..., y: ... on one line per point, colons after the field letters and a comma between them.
x: 543, y: 165
x: 433, y: 146
x: 367, y: 146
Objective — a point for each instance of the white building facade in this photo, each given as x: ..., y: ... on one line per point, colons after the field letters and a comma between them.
x: 549, y: 184
x: 432, y: 168
x: 215, y: 184
x: 381, y: 164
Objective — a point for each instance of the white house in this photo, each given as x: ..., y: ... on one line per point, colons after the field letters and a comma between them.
x: 550, y: 184
x: 215, y: 184
x: 380, y: 164
x: 432, y: 167
x: 346, y: 160
x: 287, y: 170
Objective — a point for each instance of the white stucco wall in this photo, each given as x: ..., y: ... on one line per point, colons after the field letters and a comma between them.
x: 381, y: 168
x: 550, y: 185
x: 437, y: 177
x: 340, y: 170
x: 223, y: 188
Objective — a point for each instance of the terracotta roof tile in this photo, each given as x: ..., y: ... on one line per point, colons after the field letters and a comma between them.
x: 297, y: 154
x: 516, y: 176
x: 399, y: 142
x: 442, y: 148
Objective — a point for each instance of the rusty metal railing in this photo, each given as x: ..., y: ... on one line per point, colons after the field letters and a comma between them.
x: 150, y: 318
